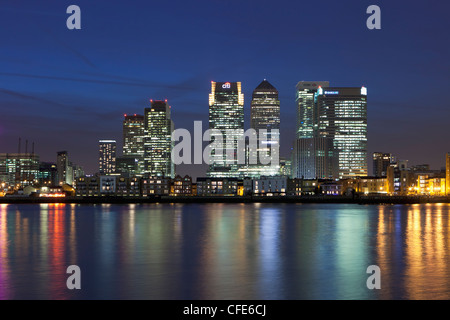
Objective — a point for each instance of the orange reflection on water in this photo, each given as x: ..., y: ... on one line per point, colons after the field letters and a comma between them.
x: 426, y: 276
x: 4, y: 269
x: 56, y: 238
x: 383, y: 247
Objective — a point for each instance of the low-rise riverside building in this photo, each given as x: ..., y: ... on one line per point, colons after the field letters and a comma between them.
x: 122, y: 186
x: 108, y: 185
x: 270, y: 186
x: 331, y: 188
x: 310, y: 186
x: 128, y: 187
x: 181, y: 186
x: 212, y: 186
x: 366, y: 185
x: 155, y: 186
x: 87, y: 186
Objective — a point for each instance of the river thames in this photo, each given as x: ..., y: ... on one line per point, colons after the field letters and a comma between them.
x: 224, y: 251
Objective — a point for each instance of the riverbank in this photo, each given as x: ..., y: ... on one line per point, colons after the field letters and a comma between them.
x: 228, y: 199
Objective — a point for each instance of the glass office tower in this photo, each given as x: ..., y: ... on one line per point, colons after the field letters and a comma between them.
x: 265, y: 120
x: 313, y: 155
x: 342, y: 116
x: 133, y: 142
x: 158, y: 143
x: 226, y: 114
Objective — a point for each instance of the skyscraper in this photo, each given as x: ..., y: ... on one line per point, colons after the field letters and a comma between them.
x: 313, y: 155
x: 314, y: 158
x: 158, y: 142
x: 381, y: 162
x: 226, y: 114
x: 62, y: 167
x: 133, y: 141
x: 342, y: 116
x: 307, y: 112
x: 265, y: 120
x: 107, y: 158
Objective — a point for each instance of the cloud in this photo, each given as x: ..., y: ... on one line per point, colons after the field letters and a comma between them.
x: 63, y: 44
x: 29, y: 97
x: 99, y: 81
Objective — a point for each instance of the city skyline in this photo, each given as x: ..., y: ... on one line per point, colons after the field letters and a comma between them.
x: 73, y: 87
x: 129, y: 137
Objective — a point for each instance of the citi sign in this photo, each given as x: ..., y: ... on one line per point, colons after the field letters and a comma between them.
x: 226, y: 85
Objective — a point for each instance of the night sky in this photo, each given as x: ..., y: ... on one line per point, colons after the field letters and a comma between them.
x: 66, y: 89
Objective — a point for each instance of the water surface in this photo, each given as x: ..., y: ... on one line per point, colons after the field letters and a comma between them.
x: 224, y: 251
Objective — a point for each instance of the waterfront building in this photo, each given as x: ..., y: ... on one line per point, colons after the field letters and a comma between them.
x: 88, y: 186
x: 107, y: 157
x: 18, y: 170
x: 372, y: 185
x: 342, y: 116
x: 436, y: 186
x: 55, y: 191
x: 65, y: 172
x: 400, y: 179
x: 128, y: 186
x: 226, y: 114
x: 381, y: 161
x: 313, y: 154
x: 48, y: 174
x: 107, y: 185
x: 77, y: 171
x: 331, y: 188
x: 158, y: 142
x: 133, y: 140
x: 210, y: 186
x: 270, y: 186
x: 294, y: 186
x: 181, y: 186
x: 298, y: 186
x: 155, y: 185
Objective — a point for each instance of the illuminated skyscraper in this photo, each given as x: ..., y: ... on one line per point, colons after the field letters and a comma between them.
x: 133, y: 141
x: 307, y: 113
x: 313, y: 155
x: 107, y: 156
x: 63, y: 168
x: 158, y: 143
x: 342, y: 116
x: 265, y: 120
x: 226, y: 114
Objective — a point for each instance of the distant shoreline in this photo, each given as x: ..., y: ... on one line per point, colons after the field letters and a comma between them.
x: 231, y: 199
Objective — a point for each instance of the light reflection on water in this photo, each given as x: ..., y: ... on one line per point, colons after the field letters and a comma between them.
x: 224, y: 251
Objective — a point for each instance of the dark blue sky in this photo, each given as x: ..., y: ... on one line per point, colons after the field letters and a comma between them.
x: 66, y: 89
